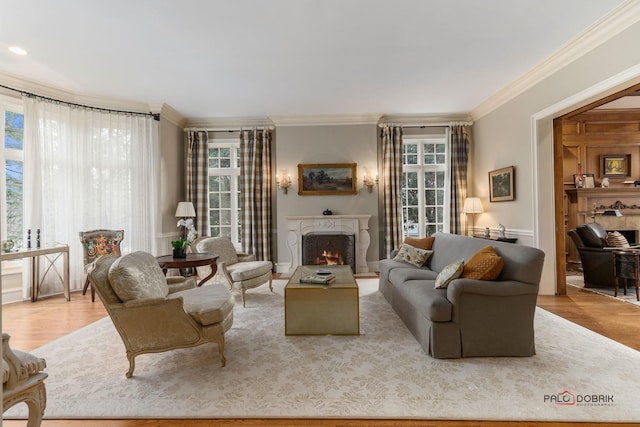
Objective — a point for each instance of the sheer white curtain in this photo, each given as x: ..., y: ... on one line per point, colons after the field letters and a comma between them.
x: 87, y: 169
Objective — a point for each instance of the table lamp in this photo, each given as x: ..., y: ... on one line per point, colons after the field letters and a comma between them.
x: 472, y: 205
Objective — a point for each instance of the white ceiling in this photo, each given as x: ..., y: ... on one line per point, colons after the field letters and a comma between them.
x: 254, y: 58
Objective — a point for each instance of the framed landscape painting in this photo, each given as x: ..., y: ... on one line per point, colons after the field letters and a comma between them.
x: 501, y: 185
x: 327, y: 179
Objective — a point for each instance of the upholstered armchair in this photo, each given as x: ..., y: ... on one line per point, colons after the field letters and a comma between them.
x: 237, y: 270
x: 23, y: 381
x: 153, y: 313
x: 596, y: 257
x: 97, y: 243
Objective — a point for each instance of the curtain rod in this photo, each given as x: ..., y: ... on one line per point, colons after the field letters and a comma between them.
x: 156, y: 116
x: 229, y: 130
x: 427, y: 125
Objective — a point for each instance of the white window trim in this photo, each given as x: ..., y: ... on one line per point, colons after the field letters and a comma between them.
x: 234, y: 144
x: 446, y: 168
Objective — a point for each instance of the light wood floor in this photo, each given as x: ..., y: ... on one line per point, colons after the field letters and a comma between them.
x: 34, y: 324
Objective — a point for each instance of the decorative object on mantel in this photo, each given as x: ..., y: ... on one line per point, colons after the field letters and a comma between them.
x: 327, y: 212
x: 501, y: 232
x: 502, y: 185
x: 283, y: 183
x: 605, y: 182
x: 487, y: 233
x: 579, y: 177
x: 327, y: 179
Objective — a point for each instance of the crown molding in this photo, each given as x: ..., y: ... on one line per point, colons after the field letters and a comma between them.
x: 168, y: 113
x: 327, y: 120
x: 606, y: 28
x: 53, y: 92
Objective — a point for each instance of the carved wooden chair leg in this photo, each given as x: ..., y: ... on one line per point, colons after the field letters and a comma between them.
x: 223, y: 360
x: 132, y: 365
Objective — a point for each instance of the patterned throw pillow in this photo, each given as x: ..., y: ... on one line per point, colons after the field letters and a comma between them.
x: 617, y: 240
x: 485, y: 264
x: 412, y: 255
x: 449, y: 273
x: 424, y: 243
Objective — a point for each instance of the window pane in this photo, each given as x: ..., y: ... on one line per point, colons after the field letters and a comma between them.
x: 430, y: 197
x: 429, y: 180
x: 214, y: 201
x: 14, y: 179
x: 14, y: 130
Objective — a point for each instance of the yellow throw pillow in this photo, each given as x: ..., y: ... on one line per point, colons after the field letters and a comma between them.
x: 425, y: 243
x: 485, y: 264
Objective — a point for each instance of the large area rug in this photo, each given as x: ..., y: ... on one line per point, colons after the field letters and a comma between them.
x: 383, y: 373
x: 630, y: 297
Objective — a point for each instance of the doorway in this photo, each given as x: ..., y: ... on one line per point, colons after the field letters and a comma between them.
x: 631, y: 93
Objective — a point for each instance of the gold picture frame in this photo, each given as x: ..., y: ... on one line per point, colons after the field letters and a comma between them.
x: 616, y: 165
x: 327, y: 179
x: 501, y: 185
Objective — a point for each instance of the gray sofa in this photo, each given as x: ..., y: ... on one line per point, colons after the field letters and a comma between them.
x: 469, y: 318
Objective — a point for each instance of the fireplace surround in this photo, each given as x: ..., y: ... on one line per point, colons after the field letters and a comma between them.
x: 355, y: 225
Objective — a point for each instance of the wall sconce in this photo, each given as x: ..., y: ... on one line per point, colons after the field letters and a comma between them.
x: 369, y: 181
x: 283, y: 183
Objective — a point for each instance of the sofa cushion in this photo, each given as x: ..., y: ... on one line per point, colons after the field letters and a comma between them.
x: 248, y: 270
x: 137, y: 276
x: 207, y: 305
x: 413, y: 255
x: 425, y: 243
x: 616, y: 239
x: 424, y: 299
x: 485, y: 264
x: 449, y: 273
x: 398, y: 276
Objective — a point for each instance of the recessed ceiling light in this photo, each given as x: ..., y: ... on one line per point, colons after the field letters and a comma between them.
x: 17, y: 50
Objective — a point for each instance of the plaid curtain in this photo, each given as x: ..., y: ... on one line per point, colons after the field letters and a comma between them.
x: 198, y: 178
x: 459, y: 161
x: 392, y: 187
x: 255, y: 192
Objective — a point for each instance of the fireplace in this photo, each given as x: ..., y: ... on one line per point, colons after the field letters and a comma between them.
x: 329, y: 249
x: 356, y: 227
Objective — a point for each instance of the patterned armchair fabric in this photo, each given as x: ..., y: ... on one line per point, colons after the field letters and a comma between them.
x: 153, y: 313
x: 237, y: 270
x: 97, y: 243
x: 23, y: 381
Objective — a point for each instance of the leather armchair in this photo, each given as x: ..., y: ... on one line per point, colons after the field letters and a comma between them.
x: 23, y: 381
x: 597, y: 262
x: 153, y: 313
x: 237, y: 270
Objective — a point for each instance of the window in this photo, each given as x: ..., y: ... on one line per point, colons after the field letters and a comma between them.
x: 11, y: 169
x: 224, y: 193
x: 425, y: 185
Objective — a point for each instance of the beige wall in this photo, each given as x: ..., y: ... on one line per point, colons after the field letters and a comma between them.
x: 519, y: 133
x: 171, y: 183
x: 325, y: 144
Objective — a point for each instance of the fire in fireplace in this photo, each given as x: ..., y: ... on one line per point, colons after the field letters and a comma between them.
x: 329, y: 249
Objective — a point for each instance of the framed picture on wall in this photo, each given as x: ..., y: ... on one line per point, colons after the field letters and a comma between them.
x: 501, y: 185
x: 616, y: 165
x: 327, y: 179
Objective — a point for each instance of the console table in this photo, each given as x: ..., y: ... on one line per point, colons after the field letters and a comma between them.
x: 49, y: 254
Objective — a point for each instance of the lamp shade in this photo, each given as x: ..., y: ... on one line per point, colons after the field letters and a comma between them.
x: 185, y: 210
x: 472, y: 205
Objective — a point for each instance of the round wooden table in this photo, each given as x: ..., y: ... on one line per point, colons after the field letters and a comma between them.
x: 192, y: 260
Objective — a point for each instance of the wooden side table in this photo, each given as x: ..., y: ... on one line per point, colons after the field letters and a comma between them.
x: 192, y: 260
x: 625, y: 266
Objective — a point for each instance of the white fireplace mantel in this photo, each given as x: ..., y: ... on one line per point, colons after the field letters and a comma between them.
x: 358, y: 225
